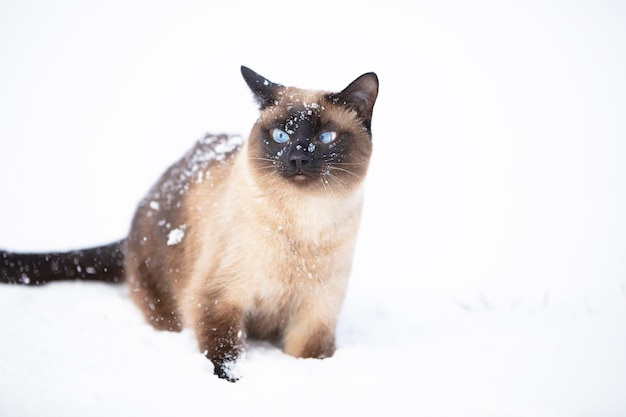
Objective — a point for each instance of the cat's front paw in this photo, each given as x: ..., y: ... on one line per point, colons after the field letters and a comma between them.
x: 226, y: 370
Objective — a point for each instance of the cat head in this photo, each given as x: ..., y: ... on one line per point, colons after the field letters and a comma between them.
x: 315, y: 140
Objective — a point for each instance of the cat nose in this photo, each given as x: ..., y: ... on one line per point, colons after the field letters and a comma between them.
x: 299, y: 157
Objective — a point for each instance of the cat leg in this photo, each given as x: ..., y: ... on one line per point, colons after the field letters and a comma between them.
x: 221, y: 336
x: 310, y: 335
x: 156, y: 301
x: 159, y: 308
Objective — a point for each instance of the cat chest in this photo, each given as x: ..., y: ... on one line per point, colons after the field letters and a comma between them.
x: 284, y: 269
x: 291, y: 264
x: 277, y: 289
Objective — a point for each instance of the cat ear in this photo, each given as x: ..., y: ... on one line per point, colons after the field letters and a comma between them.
x: 360, y: 95
x: 264, y: 90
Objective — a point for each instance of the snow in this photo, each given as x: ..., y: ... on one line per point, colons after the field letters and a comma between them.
x: 489, y: 276
x: 223, y: 148
x: 175, y: 236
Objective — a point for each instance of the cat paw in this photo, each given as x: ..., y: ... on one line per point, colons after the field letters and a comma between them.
x: 227, y: 371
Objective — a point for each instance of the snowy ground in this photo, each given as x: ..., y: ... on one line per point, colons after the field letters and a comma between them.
x: 490, y: 275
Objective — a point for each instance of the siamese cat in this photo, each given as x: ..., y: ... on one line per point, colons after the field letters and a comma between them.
x: 246, y: 238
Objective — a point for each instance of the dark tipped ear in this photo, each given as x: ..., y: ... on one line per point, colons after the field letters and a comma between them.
x: 360, y: 95
x: 264, y: 90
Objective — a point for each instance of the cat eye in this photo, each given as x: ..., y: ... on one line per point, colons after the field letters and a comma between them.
x: 279, y: 136
x: 327, y: 137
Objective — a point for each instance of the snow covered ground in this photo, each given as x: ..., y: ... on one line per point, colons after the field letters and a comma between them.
x: 490, y: 274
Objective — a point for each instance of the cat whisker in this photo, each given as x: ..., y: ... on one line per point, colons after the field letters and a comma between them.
x: 331, y: 185
x: 324, y: 183
x: 266, y: 170
x: 343, y: 170
x: 272, y: 162
x: 271, y: 175
x: 263, y: 159
x: 347, y: 163
x: 333, y: 182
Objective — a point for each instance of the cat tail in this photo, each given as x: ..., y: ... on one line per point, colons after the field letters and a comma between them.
x: 104, y: 263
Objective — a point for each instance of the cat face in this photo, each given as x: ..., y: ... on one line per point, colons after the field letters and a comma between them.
x: 312, y: 139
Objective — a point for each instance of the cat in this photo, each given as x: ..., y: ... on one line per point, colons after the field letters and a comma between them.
x: 244, y: 238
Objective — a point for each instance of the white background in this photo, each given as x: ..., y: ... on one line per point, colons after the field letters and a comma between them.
x: 490, y: 274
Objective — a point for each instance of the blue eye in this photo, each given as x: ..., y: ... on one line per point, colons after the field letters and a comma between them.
x: 327, y: 137
x: 280, y: 136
